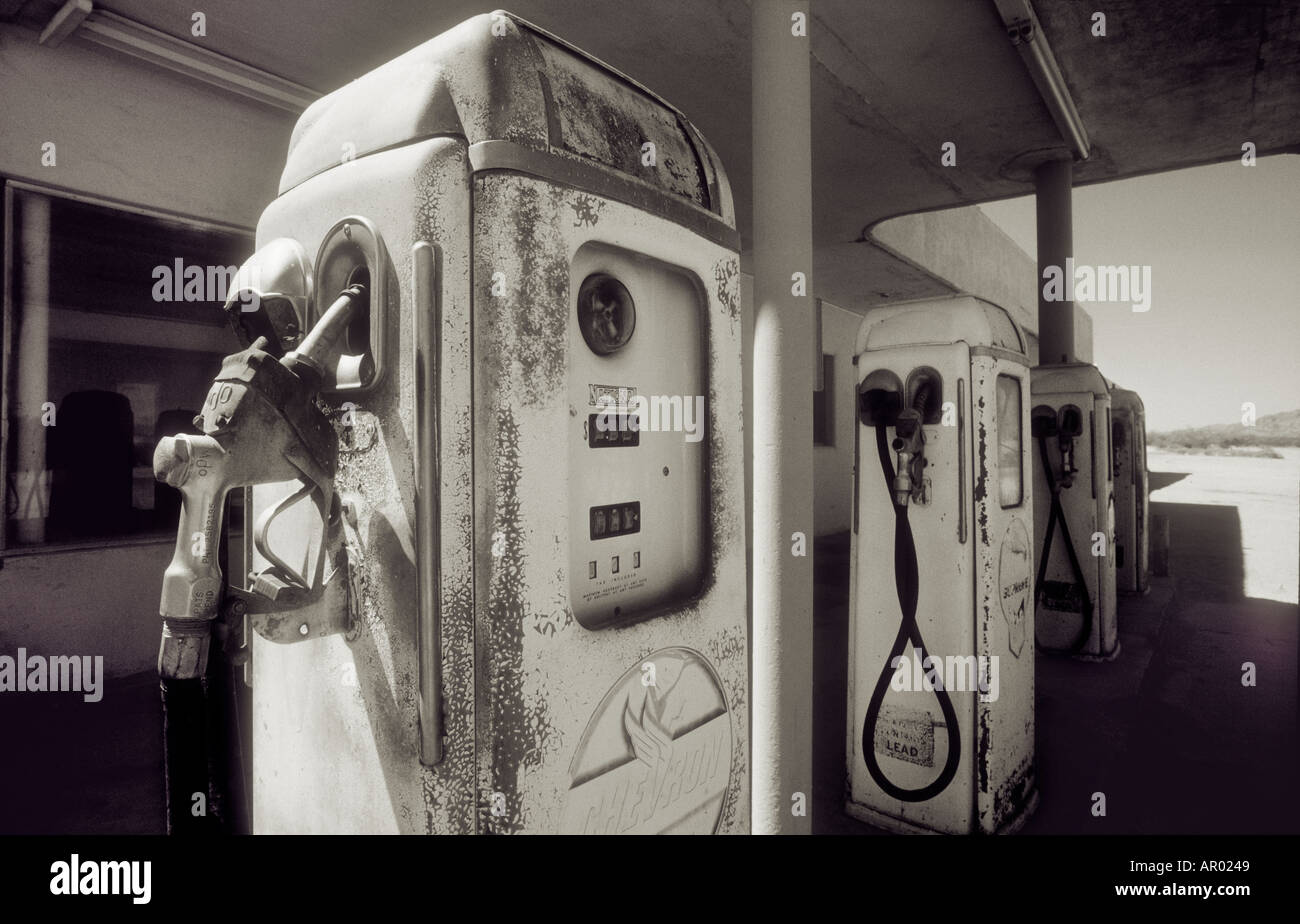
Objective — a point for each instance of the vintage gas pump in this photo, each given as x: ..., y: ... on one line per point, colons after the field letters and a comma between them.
x: 941, y: 670
x: 1129, y: 451
x: 1074, y: 517
x: 537, y: 520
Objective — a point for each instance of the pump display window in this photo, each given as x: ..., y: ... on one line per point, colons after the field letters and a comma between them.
x: 112, y: 324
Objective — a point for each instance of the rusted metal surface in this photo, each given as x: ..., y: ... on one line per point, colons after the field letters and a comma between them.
x: 335, y: 720
x: 542, y: 676
x: 1005, y: 782
x: 496, y: 77
x: 522, y: 681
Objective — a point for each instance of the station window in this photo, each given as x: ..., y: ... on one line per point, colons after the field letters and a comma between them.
x: 824, y: 405
x: 1010, y: 456
x: 114, y: 330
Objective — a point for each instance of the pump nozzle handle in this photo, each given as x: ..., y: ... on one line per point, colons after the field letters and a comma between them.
x: 910, y: 446
x: 192, y: 583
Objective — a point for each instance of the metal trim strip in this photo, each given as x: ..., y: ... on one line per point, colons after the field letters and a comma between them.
x: 961, y: 460
x: 427, y: 302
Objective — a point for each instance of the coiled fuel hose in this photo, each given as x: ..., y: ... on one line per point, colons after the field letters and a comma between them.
x: 1056, y: 516
x: 906, y: 582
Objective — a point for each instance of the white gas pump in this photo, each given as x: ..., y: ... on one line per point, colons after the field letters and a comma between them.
x: 1074, y: 517
x: 539, y: 475
x: 1129, y: 452
x: 941, y: 670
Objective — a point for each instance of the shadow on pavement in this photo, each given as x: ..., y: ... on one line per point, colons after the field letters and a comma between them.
x: 1158, y: 480
x: 85, y: 768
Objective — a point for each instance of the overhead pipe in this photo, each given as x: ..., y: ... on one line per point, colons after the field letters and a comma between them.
x: 1026, y: 33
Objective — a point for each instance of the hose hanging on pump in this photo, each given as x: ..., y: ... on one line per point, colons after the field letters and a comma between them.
x: 192, y: 723
x: 906, y: 581
x: 1057, y: 515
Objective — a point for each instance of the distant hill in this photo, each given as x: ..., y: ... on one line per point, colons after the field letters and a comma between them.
x: 1270, y: 430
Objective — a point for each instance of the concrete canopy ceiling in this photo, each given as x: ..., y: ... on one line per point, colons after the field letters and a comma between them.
x: 1172, y: 84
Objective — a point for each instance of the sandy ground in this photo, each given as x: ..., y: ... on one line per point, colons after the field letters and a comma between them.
x: 1266, y: 493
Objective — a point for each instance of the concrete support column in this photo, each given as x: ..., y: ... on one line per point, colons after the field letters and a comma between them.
x: 1052, y: 191
x: 31, y: 357
x: 783, y: 390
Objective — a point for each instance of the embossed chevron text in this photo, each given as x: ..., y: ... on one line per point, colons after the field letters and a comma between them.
x: 669, y: 781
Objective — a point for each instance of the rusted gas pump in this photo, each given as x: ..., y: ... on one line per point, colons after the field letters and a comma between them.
x: 539, y: 459
x: 941, y: 662
x: 1132, y: 512
x: 1074, y: 519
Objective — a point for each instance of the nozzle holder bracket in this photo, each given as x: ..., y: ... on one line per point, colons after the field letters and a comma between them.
x: 880, y: 398
x: 281, y: 619
x: 925, y: 394
x: 354, y: 244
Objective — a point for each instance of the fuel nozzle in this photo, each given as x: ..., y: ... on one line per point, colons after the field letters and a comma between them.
x: 260, y: 425
x: 1068, y: 468
x: 909, y: 443
x: 1069, y: 429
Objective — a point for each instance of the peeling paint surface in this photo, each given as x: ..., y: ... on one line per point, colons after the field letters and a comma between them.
x: 1005, y: 749
x: 335, y: 728
x: 336, y: 722
x: 726, y: 277
x: 982, y: 461
x: 609, y: 122
x: 586, y: 211
x: 539, y: 689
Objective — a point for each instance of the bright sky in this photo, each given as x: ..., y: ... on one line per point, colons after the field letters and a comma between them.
x: 1223, y: 244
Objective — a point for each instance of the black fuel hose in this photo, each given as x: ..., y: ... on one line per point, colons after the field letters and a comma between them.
x: 1056, y: 516
x: 906, y: 582
x: 185, y: 755
x: 196, y: 720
